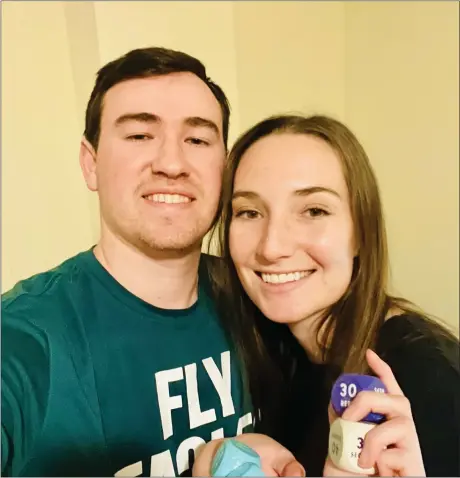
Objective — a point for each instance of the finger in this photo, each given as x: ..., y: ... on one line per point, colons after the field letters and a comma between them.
x: 389, y: 466
x: 204, y: 456
x: 331, y: 413
x: 398, y: 432
x: 273, y: 456
x: 285, y: 459
x: 365, y: 402
x: 293, y: 468
x: 396, y: 462
x: 331, y: 470
x: 384, y: 372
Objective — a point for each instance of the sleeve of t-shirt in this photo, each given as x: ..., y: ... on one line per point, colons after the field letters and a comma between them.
x: 432, y: 385
x: 25, y: 386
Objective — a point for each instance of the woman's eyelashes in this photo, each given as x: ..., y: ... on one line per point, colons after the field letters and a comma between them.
x: 311, y: 212
x: 315, y: 212
x: 246, y: 214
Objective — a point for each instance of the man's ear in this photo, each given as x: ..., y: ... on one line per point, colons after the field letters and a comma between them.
x: 88, y: 164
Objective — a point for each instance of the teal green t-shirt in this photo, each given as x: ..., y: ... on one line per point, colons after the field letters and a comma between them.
x: 96, y: 382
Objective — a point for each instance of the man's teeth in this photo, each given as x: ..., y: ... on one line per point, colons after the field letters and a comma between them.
x: 282, y: 278
x: 168, y: 198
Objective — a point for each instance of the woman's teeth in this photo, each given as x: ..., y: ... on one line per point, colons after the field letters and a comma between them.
x: 283, y: 278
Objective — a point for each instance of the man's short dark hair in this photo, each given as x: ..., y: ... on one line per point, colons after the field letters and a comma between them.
x: 143, y: 63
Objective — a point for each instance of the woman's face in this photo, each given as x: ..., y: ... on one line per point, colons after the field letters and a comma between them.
x: 291, y: 233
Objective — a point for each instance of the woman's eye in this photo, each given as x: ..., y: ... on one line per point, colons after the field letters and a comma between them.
x: 198, y: 141
x: 139, y: 137
x: 316, y: 212
x: 247, y: 214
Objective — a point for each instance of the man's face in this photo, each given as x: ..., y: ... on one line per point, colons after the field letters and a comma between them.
x: 159, y: 161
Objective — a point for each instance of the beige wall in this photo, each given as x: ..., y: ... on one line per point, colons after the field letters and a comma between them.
x: 389, y: 69
x: 402, y: 99
x: 291, y: 57
x: 44, y: 201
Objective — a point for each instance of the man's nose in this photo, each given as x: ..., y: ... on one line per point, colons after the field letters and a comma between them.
x: 169, y: 159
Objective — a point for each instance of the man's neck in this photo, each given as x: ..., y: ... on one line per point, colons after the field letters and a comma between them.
x: 164, y: 280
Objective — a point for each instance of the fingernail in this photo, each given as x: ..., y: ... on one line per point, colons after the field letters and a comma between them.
x: 294, y: 469
x: 299, y: 471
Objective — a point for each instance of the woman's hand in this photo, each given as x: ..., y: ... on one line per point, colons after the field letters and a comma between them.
x: 276, y: 460
x: 392, y: 447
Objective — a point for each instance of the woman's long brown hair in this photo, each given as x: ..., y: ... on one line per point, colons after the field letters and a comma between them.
x: 350, y: 326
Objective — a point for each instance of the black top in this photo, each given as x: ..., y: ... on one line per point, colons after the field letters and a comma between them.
x: 429, y: 379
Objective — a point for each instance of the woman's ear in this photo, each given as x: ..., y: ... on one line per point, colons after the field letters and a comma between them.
x: 88, y: 164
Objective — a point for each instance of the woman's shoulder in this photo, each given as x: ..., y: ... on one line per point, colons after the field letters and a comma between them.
x: 424, y: 358
x: 408, y: 338
x: 423, y: 355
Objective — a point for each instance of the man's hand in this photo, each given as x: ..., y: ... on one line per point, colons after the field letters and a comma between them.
x: 276, y: 460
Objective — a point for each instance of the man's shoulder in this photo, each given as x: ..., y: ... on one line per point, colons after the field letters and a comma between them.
x: 37, y: 322
x: 41, y: 294
x: 35, y: 332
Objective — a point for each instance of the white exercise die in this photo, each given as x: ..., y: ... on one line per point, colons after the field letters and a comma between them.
x: 346, y: 440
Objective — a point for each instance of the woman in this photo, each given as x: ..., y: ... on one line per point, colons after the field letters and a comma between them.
x: 304, y: 237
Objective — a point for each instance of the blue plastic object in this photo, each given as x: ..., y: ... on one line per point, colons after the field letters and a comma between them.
x: 234, y: 458
x: 348, y: 385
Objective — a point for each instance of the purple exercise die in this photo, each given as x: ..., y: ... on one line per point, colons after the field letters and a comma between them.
x: 348, y: 385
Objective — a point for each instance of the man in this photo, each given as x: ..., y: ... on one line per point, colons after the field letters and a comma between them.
x: 115, y: 362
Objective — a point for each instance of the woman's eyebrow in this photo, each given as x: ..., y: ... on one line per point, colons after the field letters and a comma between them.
x: 316, y: 189
x: 245, y: 195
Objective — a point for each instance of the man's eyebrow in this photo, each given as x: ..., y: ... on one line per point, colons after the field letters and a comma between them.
x: 142, y: 117
x: 197, y: 121
x: 298, y: 192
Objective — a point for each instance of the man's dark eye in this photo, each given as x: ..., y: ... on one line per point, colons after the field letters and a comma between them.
x: 139, y: 137
x: 198, y: 141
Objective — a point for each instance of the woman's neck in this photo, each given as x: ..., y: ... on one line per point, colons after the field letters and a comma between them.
x: 310, y: 337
